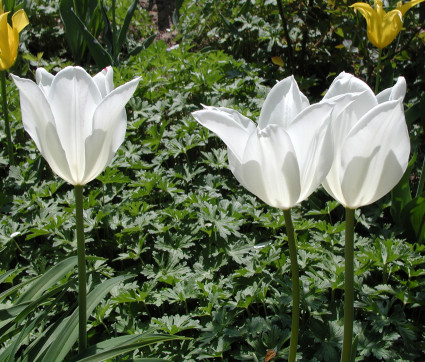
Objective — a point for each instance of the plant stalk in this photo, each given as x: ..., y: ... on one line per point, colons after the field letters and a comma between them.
x: 295, y: 285
x: 288, y: 38
x: 82, y: 292
x: 378, y: 72
x: 6, y: 118
x: 349, y: 286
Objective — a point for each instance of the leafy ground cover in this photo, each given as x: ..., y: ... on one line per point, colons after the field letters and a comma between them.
x: 208, y: 260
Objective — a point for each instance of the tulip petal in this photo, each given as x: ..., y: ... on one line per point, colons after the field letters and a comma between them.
x: 347, y: 83
x: 9, y: 39
x: 231, y: 126
x: 395, y: 93
x: 109, y: 126
x: 372, y: 170
x: 105, y: 81
x: 56, y: 156
x: 403, y: 8
x: 269, y: 168
x: 311, y: 137
x: 20, y: 20
x: 44, y: 79
x: 348, y: 110
x: 389, y: 28
x: 282, y: 104
x: 73, y: 98
x: 35, y: 110
x: 39, y: 123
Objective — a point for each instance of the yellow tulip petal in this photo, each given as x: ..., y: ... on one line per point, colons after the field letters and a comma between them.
x: 405, y: 7
x: 20, y: 20
x: 391, y: 26
x: 9, y: 39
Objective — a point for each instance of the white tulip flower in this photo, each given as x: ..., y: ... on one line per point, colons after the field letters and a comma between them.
x: 287, y: 156
x: 371, y: 141
x: 77, y: 121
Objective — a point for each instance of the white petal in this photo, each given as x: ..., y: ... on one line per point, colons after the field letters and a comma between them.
x: 311, y: 137
x: 105, y: 81
x: 73, y: 98
x: 395, y: 93
x: 269, y: 168
x: 39, y: 123
x: 371, y: 170
x: 348, y: 110
x: 56, y: 156
x: 282, y: 104
x: 109, y: 126
x: 231, y: 126
x: 44, y: 79
x: 35, y: 111
x: 347, y: 83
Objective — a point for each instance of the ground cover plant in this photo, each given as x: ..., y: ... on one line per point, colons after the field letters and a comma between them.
x: 178, y: 246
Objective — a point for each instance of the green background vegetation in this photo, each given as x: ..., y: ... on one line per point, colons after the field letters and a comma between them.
x: 209, y: 260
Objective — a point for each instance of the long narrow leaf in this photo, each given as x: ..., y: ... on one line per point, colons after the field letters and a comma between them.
x: 31, y: 324
x: 4, y: 276
x: 99, y: 54
x: 145, y: 44
x: 107, y: 32
x: 67, y: 331
x: 123, y: 344
x: 51, y: 277
x: 73, y: 37
x: 123, y: 32
x: 13, y: 289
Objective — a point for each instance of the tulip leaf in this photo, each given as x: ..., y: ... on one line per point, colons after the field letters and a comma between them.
x: 401, y: 194
x: 124, y: 28
x: 144, y: 45
x: 123, y: 344
x: 99, y: 54
x: 51, y: 277
x: 73, y: 37
x: 413, y: 218
x: 66, y: 333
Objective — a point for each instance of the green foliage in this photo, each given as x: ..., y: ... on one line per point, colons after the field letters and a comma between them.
x: 83, y: 25
x: 210, y: 261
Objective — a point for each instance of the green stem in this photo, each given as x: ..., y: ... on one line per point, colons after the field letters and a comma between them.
x: 349, y: 286
x: 288, y: 38
x: 82, y: 297
x: 378, y: 72
x: 6, y: 118
x: 295, y: 285
x: 421, y: 180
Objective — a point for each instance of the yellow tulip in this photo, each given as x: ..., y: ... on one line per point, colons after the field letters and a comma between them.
x: 383, y: 27
x: 9, y: 36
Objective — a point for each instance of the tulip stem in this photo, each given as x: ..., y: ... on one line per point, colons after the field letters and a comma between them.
x: 287, y: 36
x: 6, y: 118
x: 349, y: 286
x: 378, y: 72
x: 295, y: 285
x: 82, y: 298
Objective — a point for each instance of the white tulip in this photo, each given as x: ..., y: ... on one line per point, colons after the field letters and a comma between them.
x: 286, y: 157
x: 371, y: 141
x: 77, y: 121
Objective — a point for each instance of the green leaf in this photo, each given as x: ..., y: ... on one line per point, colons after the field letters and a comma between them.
x: 73, y: 37
x: 48, y: 279
x: 124, y: 28
x: 401, y: 195
x: 99, y: 54
x: 65, y: 336
x: 123, y: 344
x: 413, y: 218
x: 144, y: 45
